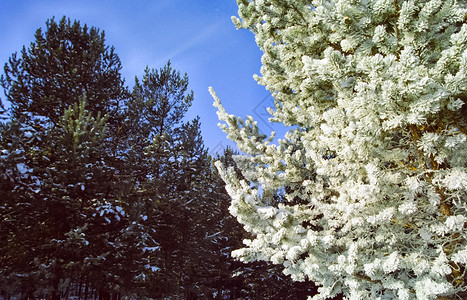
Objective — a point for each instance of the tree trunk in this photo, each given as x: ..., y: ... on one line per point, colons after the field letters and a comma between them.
x: 104, y: 295
x: 79, y: 289
x: 86, y: 291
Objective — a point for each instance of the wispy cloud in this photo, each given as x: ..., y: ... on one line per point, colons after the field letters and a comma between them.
x: 199, y: 38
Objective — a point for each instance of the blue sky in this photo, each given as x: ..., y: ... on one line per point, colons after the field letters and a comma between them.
x: 196, y: 35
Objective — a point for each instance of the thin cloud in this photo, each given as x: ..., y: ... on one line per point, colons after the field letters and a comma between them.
x: 201, y: 37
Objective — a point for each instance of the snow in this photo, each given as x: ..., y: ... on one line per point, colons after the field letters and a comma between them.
x: 22, y: 168
x: 152, y: 268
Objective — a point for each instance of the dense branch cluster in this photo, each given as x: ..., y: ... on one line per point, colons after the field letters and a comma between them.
x: 373, y: 168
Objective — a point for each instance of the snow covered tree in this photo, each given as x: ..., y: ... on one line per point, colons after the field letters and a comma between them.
x: 373, y: 168
x: 235, y: 279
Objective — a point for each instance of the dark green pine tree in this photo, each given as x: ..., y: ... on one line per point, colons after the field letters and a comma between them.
x: 2, y: 111
x: 47, y: 193
x: 75, y: 182
x: 155, y: 109
x: 18, y: 210
x: 61, y: 213
x: 104, y: 239
x: 172, y: 187
x: 64, y: 63
x: 152, y: 153
x: 184, y: 212
x: 224, y: 235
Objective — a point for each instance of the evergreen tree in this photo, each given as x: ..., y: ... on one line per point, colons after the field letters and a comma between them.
x: 373, y: 169
x: 54, y: 183
x: 2, y: 110
x: 64, y: 63
x: 17, y: 214
x: 155, y: 109
x: 252, y: 280
x: 60, y: 213
x: 164, y: 159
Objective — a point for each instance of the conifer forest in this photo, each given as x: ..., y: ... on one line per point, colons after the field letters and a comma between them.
x: 107, y: 190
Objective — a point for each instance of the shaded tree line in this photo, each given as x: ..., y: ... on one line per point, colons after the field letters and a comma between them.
x: 108, y: 190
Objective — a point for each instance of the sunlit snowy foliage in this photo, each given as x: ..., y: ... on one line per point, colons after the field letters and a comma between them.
x: 373, y: 170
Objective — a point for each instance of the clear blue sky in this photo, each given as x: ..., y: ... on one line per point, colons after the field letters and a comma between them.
x: 196, y: 35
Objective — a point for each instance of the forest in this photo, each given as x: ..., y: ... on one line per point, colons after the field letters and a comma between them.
x: 108, y: 192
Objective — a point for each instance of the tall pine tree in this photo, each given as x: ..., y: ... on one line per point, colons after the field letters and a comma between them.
x: 59, y: 204
x: 64, y: 63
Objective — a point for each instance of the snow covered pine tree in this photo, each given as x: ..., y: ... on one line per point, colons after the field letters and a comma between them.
x: 374, y: 165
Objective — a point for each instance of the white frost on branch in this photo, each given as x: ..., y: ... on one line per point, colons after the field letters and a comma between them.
x: 366, y: 194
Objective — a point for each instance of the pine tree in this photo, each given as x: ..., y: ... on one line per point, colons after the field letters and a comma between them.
x: 64, y: 63
x: 373, y: 169
x: 155, y: 109
x: 250, y: 280
x: 2, y: 110
x: 17, y: 215
x: 164, y: 161
x: 60, y: 213
x: 49, y: 196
